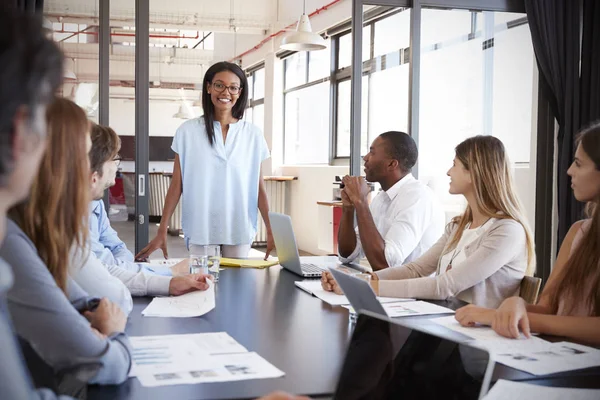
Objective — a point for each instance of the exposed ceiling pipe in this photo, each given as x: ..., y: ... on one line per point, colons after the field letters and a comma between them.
x: 75, y: 33
x: 290, y: 26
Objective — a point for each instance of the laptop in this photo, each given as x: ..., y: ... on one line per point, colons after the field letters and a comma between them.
x: 358, y: 292
x: 392, y: 359
x: 287, y: 250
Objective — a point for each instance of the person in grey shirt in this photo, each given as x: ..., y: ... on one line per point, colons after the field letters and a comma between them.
x: 14, y: 380
x: 44, y: 317
x: 30, y: 73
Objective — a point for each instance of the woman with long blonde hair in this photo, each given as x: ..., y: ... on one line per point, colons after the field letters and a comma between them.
x: 570, y: 303
x: 67, y: 333
x: 485, y: 252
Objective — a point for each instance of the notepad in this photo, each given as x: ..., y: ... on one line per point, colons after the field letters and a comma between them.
x: 314, y: 287
x: 247, y: 263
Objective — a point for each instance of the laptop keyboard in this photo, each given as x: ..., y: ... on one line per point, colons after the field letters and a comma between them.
x: 308, y: 268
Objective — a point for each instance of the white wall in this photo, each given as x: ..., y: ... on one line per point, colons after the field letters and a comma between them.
x: 315, y: 183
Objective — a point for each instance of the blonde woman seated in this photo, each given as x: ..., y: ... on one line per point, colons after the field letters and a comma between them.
x: 484, y: 253
x: 570, y: 303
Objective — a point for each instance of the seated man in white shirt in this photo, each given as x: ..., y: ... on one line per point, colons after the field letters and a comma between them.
x: 403, y: 221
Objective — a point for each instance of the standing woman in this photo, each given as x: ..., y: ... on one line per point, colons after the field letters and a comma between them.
x: 217, y: 169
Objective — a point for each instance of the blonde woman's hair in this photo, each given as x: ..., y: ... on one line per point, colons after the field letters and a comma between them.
x: 486, y: 160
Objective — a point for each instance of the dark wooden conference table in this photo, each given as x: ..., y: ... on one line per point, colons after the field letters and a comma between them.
x: 296, y: 332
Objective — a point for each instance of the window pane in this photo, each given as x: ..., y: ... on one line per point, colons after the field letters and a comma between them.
x: 250, y: 86
x: 345, y: 48
x: 319, y: 64
x: 439, y: 26
x: 343, y: 118
x: 451, y: 106
x: 307, y: 125
x: 392, y: 33
x: 258, y: 118
x: 513, y: 87
x: 295, y: 70
x: 259, y: 84
x: 474, y: 85
x: 388, y: 106
x: 248, y: 114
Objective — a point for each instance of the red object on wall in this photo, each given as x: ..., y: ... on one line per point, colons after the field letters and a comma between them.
x: 337, y: 217
x: 117, y: 193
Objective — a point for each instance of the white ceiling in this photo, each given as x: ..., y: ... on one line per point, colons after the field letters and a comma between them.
x: 248, y: 16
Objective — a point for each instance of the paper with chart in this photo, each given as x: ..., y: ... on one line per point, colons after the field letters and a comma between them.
x: 504, y: 389
x: 213, y: 343
x: 411, y: 309
x: 155, y: 354
x: 314, y: 287
x: 192, y: 304
x: 534, y: 355
x: 196, y: 358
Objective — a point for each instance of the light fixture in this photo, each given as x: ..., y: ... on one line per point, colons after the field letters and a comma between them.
x: 304, y: 39
x: 183, y: 113
x: 68, y: 73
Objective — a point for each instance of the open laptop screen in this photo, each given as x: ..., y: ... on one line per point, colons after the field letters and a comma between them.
x: 394, y: 360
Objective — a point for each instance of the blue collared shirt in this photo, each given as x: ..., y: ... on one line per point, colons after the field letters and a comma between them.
x: 107, y: 245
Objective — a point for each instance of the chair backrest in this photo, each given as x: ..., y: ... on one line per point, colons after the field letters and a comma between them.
x: 530, y: 288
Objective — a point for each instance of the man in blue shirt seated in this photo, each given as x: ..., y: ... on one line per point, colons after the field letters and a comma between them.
x: 105, y: 242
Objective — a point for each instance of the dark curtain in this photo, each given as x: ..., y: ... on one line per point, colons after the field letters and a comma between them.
x: 566, y: 33
x: 30, y: 6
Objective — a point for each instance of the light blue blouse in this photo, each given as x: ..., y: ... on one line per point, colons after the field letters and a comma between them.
x: 220, y: 182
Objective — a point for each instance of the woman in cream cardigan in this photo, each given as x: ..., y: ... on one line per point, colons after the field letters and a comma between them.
x: 484, y: 253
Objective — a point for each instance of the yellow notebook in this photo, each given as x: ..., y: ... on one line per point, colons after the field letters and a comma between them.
x: 247, y: 263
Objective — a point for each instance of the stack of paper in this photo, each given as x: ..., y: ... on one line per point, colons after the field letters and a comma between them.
x: 195, y: 358
x: 525, y: 391
x: 314, y: 287
x: 192, y: 304
x: 534, y: 355
x: 411, y: 309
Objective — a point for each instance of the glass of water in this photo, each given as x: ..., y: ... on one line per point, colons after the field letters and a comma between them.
x: 352, y: 313
x: 205, y: 259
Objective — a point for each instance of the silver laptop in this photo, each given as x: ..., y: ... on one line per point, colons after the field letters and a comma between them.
x: 287, y: 250
x: 359, y: 293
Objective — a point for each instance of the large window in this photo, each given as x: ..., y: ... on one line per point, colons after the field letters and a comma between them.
x: 306, y: 108
x: 384, y: 84
x: 255, y: 112
x: 476, y: 77
x: 477, y: 73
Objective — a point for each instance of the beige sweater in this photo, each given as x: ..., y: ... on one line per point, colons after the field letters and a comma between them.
x: 492, y: 271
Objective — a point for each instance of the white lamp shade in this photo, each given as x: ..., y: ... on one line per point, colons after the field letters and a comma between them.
x: 183, y: 113
x: 68, y: 73
x: 304, y: 39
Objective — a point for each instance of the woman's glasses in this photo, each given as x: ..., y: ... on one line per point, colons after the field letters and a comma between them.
x: 220, y: 87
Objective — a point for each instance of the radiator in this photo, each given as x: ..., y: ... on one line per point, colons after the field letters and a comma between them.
x: 278, y: 195
x: 159, y: 185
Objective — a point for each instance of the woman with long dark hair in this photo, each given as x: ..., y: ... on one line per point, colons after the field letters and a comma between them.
x: 217, y: 171
x: 570, y: 303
